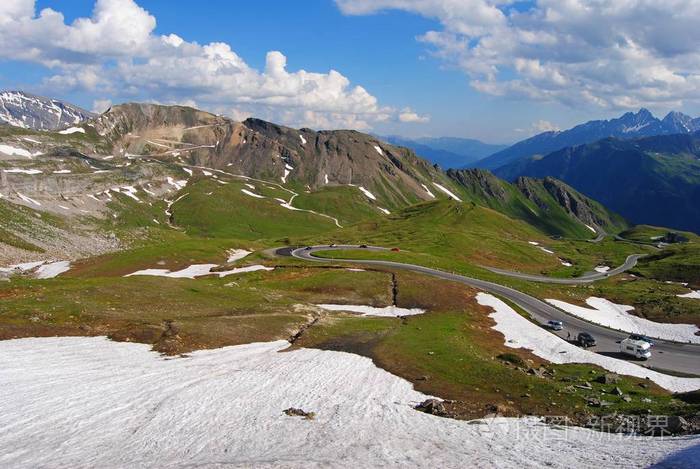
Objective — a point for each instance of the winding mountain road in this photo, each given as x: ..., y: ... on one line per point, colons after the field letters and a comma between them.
x: 666, y: 356
x: 629, y: 263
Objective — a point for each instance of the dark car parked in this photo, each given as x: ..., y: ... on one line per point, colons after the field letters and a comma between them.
x: 585, y: 340
x: 642, y: 337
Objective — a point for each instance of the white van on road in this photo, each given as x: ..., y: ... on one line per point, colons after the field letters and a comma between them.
x: 636, y: 348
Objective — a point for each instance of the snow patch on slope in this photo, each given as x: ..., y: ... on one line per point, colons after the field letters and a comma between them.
x: 22, y: 171
x: 695, y: 294
x: 38, y: 269
x: 72, y: 130
x: 387, y: 311
x: 52, y: 269
x: 447, y: 191
x: 367, y: 193
x: 236, y: 254
x: 28, y: 199
x: 192, y: 271
x: 14, y: 151
x: 198, y: 270
x: 252, y: 194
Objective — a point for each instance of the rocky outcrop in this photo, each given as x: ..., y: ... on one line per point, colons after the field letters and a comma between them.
x: 433, y: 407
x: 542, y: 191
x: 481, y: 183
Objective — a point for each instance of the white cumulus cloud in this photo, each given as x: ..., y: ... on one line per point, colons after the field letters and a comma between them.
x: 408, y: 115
x: 116, y: 53
x: 607, y: 53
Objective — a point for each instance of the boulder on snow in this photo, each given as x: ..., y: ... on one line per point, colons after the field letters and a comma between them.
x: 432, y: 406
x: 294, y: 412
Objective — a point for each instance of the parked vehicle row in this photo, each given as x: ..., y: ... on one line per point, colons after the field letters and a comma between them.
x: 636, y: 345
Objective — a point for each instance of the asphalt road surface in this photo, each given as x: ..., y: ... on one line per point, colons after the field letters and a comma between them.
x: 666, y: 356
x: 630, y: 262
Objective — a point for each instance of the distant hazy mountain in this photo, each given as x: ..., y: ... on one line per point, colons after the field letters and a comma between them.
x: 628, y: 126
x: 448, y: 152
x: 28, y: 111
x: 651, y: 180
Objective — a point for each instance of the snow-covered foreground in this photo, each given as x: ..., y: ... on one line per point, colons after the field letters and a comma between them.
x: 609, y: 314
x: 521, y: 333
x: 89, y: 402
x: 387, y: 311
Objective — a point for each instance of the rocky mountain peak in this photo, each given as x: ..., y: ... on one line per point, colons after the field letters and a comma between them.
x: 28, y: 111
x: 677, y: 122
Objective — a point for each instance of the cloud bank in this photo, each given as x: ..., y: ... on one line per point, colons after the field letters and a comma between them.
x: 115, y: 54
x: 614, y: 54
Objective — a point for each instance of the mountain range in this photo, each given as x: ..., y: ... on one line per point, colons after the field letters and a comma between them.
x: 448, y: 152
x: 28, y: 111
x: 628, y: 126
x: 313, y: 179
x: 651, y: 180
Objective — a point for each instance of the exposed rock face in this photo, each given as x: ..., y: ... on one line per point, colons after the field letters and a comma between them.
x: 574, y: 203
x: 25, y: 110
x: 481, y: 182
x: 264, y: 150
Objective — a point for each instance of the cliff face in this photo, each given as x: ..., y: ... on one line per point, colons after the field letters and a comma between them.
x: 543, y: 191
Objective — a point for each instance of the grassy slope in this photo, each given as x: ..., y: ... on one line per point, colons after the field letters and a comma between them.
x: 554, y: 221
x: 677, y: 262
x: 214, y: 210
x: 346, y: 203
x: 456, y: 236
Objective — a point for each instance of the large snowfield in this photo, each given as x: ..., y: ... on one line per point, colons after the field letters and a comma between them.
x: 90, y: 402
x: 609, y: 314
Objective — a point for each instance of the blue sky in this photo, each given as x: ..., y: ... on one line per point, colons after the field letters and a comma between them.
x: 381, y: 46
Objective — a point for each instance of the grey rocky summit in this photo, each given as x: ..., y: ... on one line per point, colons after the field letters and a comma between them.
x: 28, y: 111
